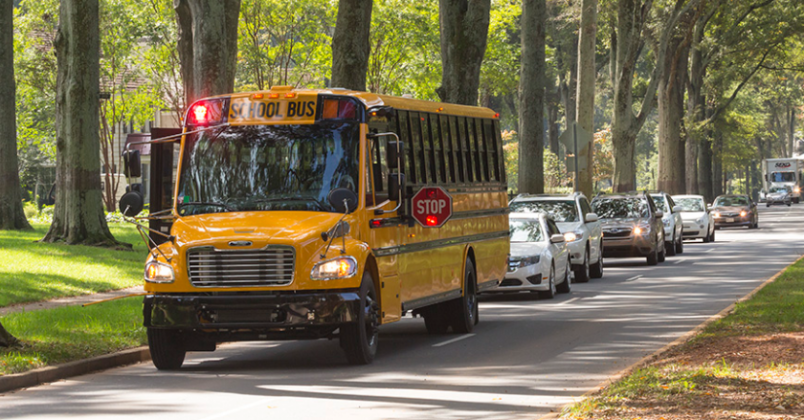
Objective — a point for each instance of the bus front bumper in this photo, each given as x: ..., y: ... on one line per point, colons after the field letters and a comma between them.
x: 253, y: 311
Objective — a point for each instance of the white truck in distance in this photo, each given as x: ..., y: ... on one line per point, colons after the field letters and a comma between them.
x: 783, y: 172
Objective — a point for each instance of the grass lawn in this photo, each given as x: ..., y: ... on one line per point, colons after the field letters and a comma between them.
x: 747, y: 365
x: 32, y: 271
x: 70, y: 333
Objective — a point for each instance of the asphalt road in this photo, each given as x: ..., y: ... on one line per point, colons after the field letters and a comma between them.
x: 526, y: 356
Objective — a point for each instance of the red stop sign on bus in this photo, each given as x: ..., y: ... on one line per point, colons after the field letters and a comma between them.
x: 432, y: 206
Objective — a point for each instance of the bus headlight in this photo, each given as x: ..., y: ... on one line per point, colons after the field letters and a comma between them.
x: 157, y: 272
x: 336, y: 268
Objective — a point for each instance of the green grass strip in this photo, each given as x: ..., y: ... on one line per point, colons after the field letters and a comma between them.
x: 65, y: 334
x: 32, y: 271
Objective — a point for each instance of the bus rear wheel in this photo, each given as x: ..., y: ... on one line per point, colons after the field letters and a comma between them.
x: 464, y: 309
x: 167, y: 348
x: 360, y: 339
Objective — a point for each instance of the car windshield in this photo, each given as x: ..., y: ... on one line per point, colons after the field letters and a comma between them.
x: 731, y: 201
x: 690, y: 204
x: 783, y: 177
x: 560, y: 211
x: 268, y: 167
x: 778, y: 190
x: 526, y: 230
x: 620, y: 208
x: 659, y: 200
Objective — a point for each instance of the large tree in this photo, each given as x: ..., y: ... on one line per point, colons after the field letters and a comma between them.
x: 531, y: 98
x: 464, y: 29
x: 632, y: 16
x: 350, y: 44
x: 78, y: 216
x: 11, y: 214
x: 585, y: 111
x: 207, y: 46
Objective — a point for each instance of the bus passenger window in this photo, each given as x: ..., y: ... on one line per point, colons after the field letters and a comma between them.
x: 491, y: 150
x: 457, y: 148
x: 480, y: 148
x: 446, y: 143
x: 404, y: 135
x: 467, y: 149
x: 418, y: 147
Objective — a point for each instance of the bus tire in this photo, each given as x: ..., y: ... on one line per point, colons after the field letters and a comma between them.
x: 464, y: 309
x: 167, y: 349
x: 360, y: 339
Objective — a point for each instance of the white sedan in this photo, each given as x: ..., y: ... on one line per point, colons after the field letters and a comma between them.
x: 698, y: 221
x: 539, y: 259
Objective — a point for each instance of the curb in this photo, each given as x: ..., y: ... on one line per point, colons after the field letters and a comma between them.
x: 79, y: 367
x: 680, y: 340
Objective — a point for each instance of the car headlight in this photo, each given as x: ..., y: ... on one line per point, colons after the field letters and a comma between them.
x: 716, y: 215
x: 641, y: 230
x: 534, y: 259
x: 157, y: 272
x: 701, y: 221
x: 573, y: 236
x: 336, y: 268
x: 743, y: 213
x: 796, y: 190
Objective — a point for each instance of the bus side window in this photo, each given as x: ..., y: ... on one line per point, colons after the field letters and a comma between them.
x: 491, y: 150
x: 447, y: 155
x: 500, y: 155
x: 467, y: 151
x: 429, y: 154
x: 438, y: 150
x: 418, y: 148
x: 483, y: 163
x: 404, y: 135
x: 457, y: 148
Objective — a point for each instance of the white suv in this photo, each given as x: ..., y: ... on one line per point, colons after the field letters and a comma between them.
x: 672, y: 221
x: 577, y: 222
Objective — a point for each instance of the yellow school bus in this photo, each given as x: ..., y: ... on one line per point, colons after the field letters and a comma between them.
x: 299, y: 214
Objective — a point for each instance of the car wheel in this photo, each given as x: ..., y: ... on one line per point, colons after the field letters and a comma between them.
x: 708, y: 237
x: 670, y: 247
x: 596, y: 271
x: 663, y: 254
x: 653, y: 257
x: 464, y: 309
x: 565, y: 286
x: 360, y: 339
x: 680, y: 246
x: 551, y: 282
x: 582, y: 273
x: 167, y: 348
x: 712, y: 237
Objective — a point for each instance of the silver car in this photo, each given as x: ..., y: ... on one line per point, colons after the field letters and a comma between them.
x: 580, y: 226
x: 671, y: 219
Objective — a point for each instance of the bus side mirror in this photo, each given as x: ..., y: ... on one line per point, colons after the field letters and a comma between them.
x: 131, y: 203
x: 131, y: 163
x: 396, y: 187
x: 394, y: 156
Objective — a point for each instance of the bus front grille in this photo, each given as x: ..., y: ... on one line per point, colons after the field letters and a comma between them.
x: 269, y: 266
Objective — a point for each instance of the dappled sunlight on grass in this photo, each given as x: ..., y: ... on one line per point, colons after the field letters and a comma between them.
x: 33, y: 271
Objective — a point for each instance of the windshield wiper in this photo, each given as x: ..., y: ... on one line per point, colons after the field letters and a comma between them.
x: 296, y: 198
x: 208, y: 203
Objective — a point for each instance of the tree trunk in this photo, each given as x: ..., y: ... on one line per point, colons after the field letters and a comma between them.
x: 552, y: 100
x: 11, y: 214
x: 531, y: 98
x: 464, y: 29
x: 705, y: 170
x: 350, y: 44
x: 569, y: 84
x: 6, y: 339
x: 210, y: 28
x: 78, y: 216
x: 717, y: 165
x: 671, y: 112
x: 586, y: 89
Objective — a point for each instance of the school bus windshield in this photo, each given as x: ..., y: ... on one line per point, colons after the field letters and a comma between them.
x: 268, y: 167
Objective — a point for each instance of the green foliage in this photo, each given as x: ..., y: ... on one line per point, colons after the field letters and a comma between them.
x: 34, y: 271
x: 65, y: 334
x: 284, y: 43
x: 556, y: 178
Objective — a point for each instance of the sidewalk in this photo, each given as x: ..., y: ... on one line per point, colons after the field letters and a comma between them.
x: 67, y: 301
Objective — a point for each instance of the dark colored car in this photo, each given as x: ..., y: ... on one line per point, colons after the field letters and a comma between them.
x: 735, y: 210
x: 632, y: 226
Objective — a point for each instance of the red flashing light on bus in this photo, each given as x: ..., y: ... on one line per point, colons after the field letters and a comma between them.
x: 200, y: 113
x: 432, y: 220
x: 207, y: 112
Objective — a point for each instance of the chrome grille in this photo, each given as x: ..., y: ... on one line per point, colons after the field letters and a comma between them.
x: 269, y: 266
x: 617, y: 233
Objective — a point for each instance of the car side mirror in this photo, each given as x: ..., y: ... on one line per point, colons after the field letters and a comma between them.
x: 591, y: 218
x: 557, y: 239
x: 709, y: 207
x: 659, y: 214
x: 677, y: 209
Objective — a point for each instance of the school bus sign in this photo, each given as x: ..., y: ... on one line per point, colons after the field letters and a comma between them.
x: 432, y: 206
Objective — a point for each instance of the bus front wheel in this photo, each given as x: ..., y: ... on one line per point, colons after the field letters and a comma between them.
x: 167, y: 348
x: 359, y: 340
